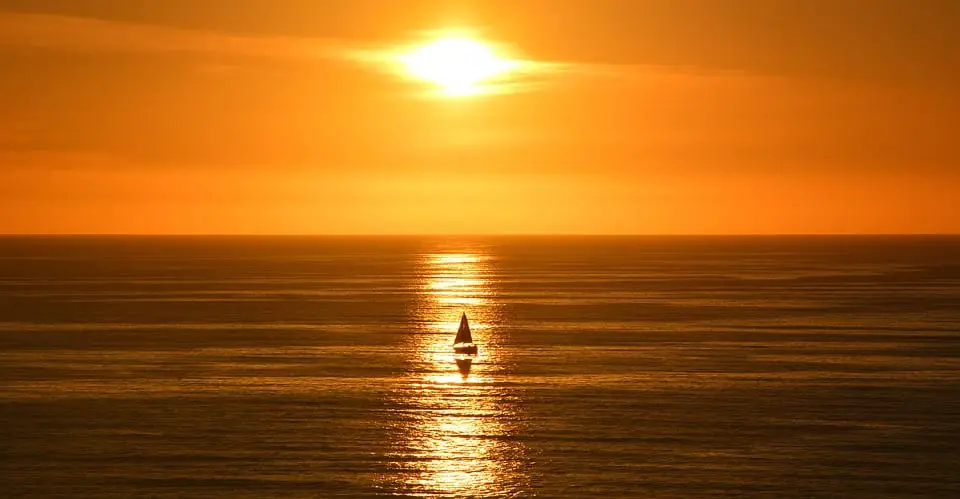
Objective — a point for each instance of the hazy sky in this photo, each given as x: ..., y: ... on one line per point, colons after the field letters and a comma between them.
x: 636, y: 116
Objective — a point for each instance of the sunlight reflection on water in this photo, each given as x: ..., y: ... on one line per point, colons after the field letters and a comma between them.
x: 456, y: 436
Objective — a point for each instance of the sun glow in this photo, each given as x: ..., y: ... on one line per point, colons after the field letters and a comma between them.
x: 458, y: 66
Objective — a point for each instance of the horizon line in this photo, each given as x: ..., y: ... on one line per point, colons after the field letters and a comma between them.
x: 482, y: 234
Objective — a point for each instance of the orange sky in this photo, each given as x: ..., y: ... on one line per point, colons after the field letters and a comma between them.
x: 635, y: 116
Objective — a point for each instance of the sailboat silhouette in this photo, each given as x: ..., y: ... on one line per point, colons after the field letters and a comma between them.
x: 463, y: 343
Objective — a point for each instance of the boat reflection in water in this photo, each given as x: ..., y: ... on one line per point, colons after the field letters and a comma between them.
x: 463, y: 365
x: 456, y: 436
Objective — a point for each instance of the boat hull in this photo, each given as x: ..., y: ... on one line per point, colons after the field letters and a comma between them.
x: 465, y: 349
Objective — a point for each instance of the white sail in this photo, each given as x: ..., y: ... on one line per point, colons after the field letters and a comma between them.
x: 463, y: 334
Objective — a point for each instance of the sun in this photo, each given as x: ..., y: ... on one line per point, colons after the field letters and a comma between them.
x: 458, y: 66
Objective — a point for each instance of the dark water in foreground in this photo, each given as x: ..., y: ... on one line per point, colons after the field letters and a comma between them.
x: 643, y: 367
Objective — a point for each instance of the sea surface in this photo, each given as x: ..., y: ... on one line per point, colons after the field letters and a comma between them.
x: 666, y: 367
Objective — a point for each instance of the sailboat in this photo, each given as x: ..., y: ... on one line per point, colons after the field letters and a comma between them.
x: 463, y: 343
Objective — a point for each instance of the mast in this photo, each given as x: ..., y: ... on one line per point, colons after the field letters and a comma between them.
x: 463, y: 334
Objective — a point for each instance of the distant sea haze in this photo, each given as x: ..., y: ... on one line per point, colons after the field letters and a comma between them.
x: 669, y: 367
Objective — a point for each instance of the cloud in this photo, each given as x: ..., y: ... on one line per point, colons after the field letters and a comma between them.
x: 97, y: 36
x: 56, y: 32
x: 67, y: 33
x: 873, y: 40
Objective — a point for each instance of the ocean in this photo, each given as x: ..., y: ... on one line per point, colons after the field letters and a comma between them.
x: 667, y: 367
